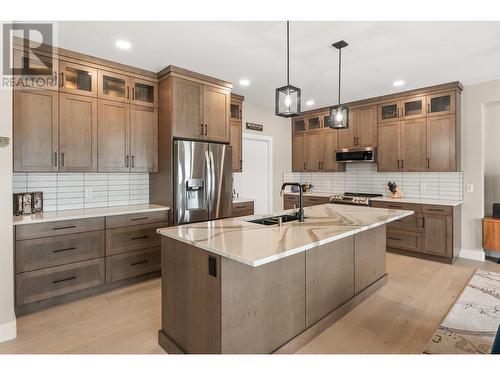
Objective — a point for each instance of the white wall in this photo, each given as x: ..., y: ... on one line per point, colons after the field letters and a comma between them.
x: 491, y: 156
x: 475, y: 99
x: 7, y: 317
x: 280, y: 130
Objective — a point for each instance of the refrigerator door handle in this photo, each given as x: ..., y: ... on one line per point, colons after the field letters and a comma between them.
x: 209, y: 177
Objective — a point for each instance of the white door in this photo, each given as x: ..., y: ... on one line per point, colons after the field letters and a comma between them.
x: 255, y: 182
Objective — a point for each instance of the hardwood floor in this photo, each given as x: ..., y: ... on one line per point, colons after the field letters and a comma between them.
x: 399, y: 318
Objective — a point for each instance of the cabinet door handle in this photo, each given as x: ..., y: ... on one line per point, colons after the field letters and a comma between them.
x: 402, y: 163
x: 128, y: 92
x: 394, y: 238
x: 319, y: 165
x: 133, y: 161
x: 241, y: 164
x: 428, y: 163
x: 305, y: 166
x: 126, y: 161
x: 138, y: 263
x: 66, y: 227
x: 63, y: 280
x: 61, y: 250
x: 206, y: 129
x: 55, y: 159
x: 133, y: 93
x: 139, y: 238
x: 392, y: 206
x: 423, y: 222
x: 139, y: 218
x: 428, y: 107
x: 201, y: 129
x: 62, y: 159
x: 436, y: 209
x: 240, y: 115
x: 398, y: 163
x: 62, y: 80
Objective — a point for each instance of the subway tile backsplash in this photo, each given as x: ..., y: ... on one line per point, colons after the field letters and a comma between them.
x: 68, y: 191
x: 364, y: 178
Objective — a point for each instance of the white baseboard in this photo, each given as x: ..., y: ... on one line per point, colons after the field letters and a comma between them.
x: 472, y: 254
x: 8, y: 331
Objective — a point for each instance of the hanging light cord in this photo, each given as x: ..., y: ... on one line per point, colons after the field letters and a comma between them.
x: 340, y: 69
x: 287, y: 53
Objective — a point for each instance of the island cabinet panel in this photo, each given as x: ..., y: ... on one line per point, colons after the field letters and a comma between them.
x: 369, y: 257
x: 329, y: 278
x: 262, y: 307
x: 191, y: 298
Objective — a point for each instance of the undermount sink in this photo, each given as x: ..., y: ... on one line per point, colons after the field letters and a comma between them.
x: 274, y: 220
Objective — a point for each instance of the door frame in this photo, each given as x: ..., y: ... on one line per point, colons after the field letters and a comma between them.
x: 269, y: 140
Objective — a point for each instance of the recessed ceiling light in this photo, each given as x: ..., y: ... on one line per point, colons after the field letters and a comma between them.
x: 398, y: 83
x: 244, y: 82
x: 123, y: 44
x: 310, y: 102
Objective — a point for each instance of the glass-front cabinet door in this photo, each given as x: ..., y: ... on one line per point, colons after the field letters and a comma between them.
x: 441, y: 104
x: 144, y: 93
x: 326, y: 120
x: 235, y: 110
x: 114, y: 86
x: 313, y: 122
x: 299, y: 124
x: 414, y: 107
x: 388, y: 112
x: 40, y: 66
x: 77, y: 79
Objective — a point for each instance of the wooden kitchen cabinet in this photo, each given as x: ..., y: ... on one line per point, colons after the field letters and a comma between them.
x: 388, y: 146
x: 437, y: 235
x: 113, y: 86
x: 144, y: 92
x: 36, y: 130
x: 441, y: 139
x: 413, y: 145
x: 236, y: 132
x: 187, y: 111
x: 441, y: 104
x: 298, y: 124
x: 41, y: 65
x: 413, y: 108
x: 299, y: 162
x: 77, y: 79
x: 77, y: 133
x: 216, y: 103
x: 113, y: 136
x: 330, y: 143
x: 362, y: 131
x: 314, y: 150
x: 143, y: 139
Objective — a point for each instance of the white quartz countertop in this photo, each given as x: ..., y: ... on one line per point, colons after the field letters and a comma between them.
x: 440, y: 202
x: 242, y: 200
x: 256, y: 244
x: 44, y: 217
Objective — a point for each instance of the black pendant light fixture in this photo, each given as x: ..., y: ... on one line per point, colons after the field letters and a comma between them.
x: 287, y: 102
x: 339, y: 114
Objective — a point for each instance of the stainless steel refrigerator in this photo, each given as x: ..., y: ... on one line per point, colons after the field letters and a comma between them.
x: 202, y: 181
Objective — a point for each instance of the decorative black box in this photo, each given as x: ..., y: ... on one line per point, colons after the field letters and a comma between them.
x: 496, y: 210
x: 28, y: 203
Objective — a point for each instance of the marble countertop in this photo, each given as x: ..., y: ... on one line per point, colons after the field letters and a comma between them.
x: 440, y: 202
x: 44, y: 217
x: 241, y: 200
x: 255, y: 244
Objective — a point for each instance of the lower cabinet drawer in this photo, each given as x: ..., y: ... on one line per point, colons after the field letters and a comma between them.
x: 58, y: 250
x: 314, y: 201
x: 243, y: 213
x: 58, y: 228
x: 55, y: 281
x: 242, y: 208
x: 122, y: 266
x: 122, y: 240
x: 404, y: 240
x: 136, y: 219
x: 290, y: 201
x: 413, y: 222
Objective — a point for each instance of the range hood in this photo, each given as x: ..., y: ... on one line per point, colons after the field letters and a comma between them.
x: 356, y: 155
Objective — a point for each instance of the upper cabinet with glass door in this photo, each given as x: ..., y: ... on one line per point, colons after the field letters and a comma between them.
x: 77, y: 79
x: 314, y: 122
x: 441, y: 104
x: 114, y: 86
x: 235, y: 110
x: 413, y: 107
x: 388, y: 112
x: 298, y: 124
x: 144, y: 92
x: 40, y: 66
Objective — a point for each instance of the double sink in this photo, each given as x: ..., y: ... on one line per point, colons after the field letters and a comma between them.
x: 275, y: 220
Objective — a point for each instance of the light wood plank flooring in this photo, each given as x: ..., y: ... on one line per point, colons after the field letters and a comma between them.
x: 399, y: 318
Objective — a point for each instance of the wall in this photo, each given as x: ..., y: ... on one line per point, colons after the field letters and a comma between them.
x: 70, y: 191
x: 7, y: 317
x: 364, y: 178
x: 491, y: 156
x: 280, y: 130
x: 475, y: 99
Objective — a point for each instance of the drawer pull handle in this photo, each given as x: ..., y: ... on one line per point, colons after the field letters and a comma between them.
x: 63, y: 280
x: 139, y: 238
x: 61, y: 250
x: 395, y: 206
x: 68, y: 227
x: 243, y: 206
x: 139, y: 263
x: 394, y: 238
x: 436, y: 209
x: 139, y: 218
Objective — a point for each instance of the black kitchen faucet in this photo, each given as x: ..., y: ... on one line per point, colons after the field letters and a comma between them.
x: 301, y: 197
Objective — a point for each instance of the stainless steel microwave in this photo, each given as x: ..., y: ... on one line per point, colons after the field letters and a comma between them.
x: 356, y: 155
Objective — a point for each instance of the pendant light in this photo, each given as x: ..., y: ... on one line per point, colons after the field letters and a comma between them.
x: 287, y: 102
x: 339, y: 114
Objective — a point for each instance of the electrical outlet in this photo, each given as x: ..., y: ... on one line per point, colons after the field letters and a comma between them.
x: 470, y: 188
x: 88, y: 193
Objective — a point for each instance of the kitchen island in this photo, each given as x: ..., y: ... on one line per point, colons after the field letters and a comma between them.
x: 235, y: 286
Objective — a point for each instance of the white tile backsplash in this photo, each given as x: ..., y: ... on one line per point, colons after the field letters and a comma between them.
x: 364, y: 178
x: 67, y: 191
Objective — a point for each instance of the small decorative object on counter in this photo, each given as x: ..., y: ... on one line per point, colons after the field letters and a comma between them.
x: 394, y: 189
x: 306, y: 187
x: 295, y: 189
x: 28, y: 203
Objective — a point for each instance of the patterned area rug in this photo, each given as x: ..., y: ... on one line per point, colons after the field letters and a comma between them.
x: 471, y: 325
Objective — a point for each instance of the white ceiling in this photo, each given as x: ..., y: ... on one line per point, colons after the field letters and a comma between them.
x: 421, y: 53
